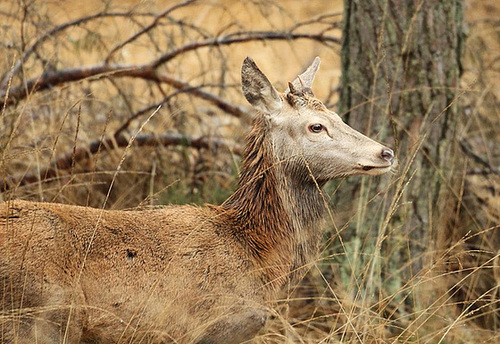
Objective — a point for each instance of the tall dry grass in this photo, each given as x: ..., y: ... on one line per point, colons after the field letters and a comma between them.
x: 117, y: 139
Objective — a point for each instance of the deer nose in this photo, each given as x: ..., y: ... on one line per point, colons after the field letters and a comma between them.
x: 387, y: 154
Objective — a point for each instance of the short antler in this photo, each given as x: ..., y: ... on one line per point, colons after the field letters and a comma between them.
x: 303, y: 82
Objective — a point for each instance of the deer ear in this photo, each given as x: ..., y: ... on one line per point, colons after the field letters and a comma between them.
x: 303, y: 83
x: 258, y: 90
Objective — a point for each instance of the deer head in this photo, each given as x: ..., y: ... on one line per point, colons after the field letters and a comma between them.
x: 305, y: 134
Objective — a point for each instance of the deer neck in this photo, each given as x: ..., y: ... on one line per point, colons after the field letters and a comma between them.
x: 276, y: 213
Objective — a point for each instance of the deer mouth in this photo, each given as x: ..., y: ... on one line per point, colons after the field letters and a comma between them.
x: 374, y: 170
x: 368, y: 167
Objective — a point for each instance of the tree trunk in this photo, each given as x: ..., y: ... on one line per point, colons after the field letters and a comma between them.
x: 400, y: 77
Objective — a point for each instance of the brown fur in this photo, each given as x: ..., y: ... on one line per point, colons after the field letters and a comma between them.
x: 180, y: 273
x: 136, y: 273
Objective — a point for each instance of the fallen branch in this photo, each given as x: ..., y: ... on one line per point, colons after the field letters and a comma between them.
x: 145, y: 72
x: 143, y: 140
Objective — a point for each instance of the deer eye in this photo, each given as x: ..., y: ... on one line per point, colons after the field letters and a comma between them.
x: 316, y: 128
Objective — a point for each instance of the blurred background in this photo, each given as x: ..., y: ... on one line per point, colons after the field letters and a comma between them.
x: 124, y: 104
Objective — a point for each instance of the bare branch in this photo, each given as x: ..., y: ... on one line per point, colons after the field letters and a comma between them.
x: 143, y: 140
x: 145, y: 72
x: 148, y: 71
x: 243, y: 37
x: 151, y: 107
x: 467, y: 149
x: 483, y: 171
x: 50, y: 34
x: 322, y: 18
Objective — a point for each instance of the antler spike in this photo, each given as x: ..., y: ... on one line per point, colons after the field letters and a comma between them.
x: 303, y: 82
x: 292, y: 89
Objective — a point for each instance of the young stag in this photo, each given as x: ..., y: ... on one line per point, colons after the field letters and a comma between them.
x: 184, y: 273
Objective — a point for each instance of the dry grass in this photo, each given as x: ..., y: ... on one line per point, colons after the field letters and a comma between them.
x: 349, y: 294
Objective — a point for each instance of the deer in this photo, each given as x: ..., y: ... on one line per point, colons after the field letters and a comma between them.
x: 186, y: 273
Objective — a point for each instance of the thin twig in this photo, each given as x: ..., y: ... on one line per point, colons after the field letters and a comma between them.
x: 467, y: 149
x: 50, y: 34
x: 147, y: 28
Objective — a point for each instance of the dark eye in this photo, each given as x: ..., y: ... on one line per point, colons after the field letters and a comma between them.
x: 316, y: 128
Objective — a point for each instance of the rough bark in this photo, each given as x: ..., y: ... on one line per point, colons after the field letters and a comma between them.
x: 400, y: 78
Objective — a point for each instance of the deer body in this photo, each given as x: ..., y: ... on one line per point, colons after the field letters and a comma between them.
x: 184, y: 273
x: 135, y: 271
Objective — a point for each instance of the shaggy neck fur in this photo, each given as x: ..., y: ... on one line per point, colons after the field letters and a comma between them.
x: 276, y: 209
